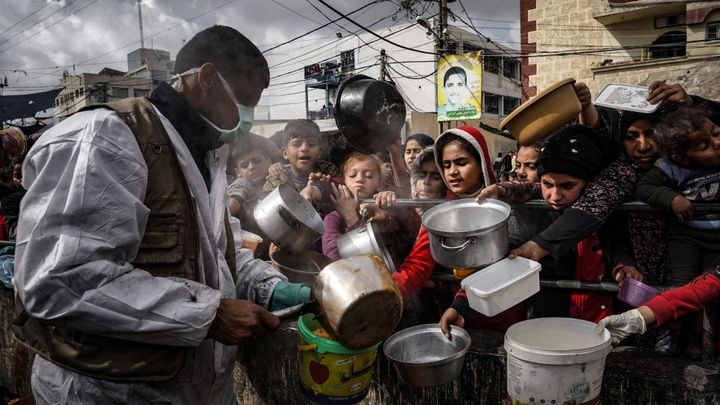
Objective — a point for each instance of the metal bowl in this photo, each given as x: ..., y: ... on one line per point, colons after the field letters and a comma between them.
x: 424, y: 357
x: 365, y: 240
x: 300, y: 268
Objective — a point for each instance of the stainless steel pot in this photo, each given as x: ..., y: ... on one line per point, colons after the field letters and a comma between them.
x: 465, y: 234
x: 288, y: 219
x: 424, y: 357
x: 365, y: 240
x: 301, y: 267
x: 361, y: 305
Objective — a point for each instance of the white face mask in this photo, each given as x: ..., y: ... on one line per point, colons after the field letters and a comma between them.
x: 246, y: 114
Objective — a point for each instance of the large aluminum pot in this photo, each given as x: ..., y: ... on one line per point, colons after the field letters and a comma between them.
x: 370, y: 113
x: 360, y: 305
x: 288, y: 219
x: 366, y: 239
x: 424, y: 357
x: 465, y: 234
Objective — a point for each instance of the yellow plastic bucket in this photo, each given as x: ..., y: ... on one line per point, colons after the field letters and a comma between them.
x: 329, y: 372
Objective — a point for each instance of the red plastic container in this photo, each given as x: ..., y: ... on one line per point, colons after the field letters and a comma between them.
x: 636, y: 293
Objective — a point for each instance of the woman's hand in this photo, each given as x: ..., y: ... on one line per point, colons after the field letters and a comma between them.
x: 589, y: 115
x: 345, y: 204
x: 449, y: 318
x: 529, y: 250
x: 659, y: 91
x: 627, y: 272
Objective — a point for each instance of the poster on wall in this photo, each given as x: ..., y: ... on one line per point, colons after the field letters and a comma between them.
x: 459, y: 87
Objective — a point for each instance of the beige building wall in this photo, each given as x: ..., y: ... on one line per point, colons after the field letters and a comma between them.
x: 572, y: 25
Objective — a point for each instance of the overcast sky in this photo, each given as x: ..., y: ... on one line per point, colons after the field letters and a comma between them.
x: 41, y: 38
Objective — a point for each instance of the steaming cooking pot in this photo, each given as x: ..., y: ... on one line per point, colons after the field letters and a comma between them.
x: 370, y: 113
x: 356, y: 301
x: 288, y: 219
x: 465, y: 234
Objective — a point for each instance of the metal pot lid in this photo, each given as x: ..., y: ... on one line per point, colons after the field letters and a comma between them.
x: 466, y: 217
x: 301, y: 209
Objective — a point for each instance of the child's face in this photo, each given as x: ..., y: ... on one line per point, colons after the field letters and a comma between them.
x: 462, y: 172
x: 412, y: 150
x: 561, y: 190
x: 704, y: 146
x: 362, y: 178
x: 302, y: 153
x: 429, y: 184
x: 17, y: 175
x: 526, y: 164
x: 253, y: 166
x: 639, y: 145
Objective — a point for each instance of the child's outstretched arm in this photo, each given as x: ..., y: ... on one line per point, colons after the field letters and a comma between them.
x: 589, y: 115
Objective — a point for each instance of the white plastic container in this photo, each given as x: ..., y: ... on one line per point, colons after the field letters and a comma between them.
x: 555, y: 361
x: 501, y: 285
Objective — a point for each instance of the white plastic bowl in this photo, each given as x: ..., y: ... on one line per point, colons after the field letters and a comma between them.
x: 501, y: 285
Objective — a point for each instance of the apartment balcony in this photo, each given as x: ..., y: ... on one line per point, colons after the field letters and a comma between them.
x: 610, y: 12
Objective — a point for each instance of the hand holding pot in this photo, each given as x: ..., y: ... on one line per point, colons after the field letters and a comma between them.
x: 451, y: 317
x: 624, y: 272
x: 345, y: 204
x: 238, y: 320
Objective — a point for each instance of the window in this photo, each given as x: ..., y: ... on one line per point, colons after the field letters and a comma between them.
x: 510, y: 104
x: 119, y: 92
x: 669, y: 45
x: 669, y: 21
x: 491, y: 62
x: 141, y: 92
x: 511, y: 68
x: 712, y: 32
x: 491, y: 103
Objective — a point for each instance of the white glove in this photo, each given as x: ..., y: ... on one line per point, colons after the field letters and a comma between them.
x: 623, y: 325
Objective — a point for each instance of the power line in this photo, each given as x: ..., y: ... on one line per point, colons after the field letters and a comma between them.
x: 372, y: 32
x: 19, y: 22
x: 317, y: 29
x: 70, y: 2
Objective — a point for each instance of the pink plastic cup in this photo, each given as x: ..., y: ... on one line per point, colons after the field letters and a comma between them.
x: 636, y: 293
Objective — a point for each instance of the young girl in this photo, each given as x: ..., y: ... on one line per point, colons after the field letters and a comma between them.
x: 427, y: 180
x: 569, y: 159
x: 361, y: 178
x: 461, y: 155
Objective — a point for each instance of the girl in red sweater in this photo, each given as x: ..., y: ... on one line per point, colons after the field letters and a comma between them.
x: 462, y: 157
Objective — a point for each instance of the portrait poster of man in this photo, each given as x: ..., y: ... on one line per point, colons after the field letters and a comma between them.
x: 459, y: 86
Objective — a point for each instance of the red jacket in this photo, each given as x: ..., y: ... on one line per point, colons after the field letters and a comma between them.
x: 691, y: 297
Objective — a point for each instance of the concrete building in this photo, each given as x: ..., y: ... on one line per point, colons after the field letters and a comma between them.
x: 322, y: 67
x: 620, y: 41
x: 146, y: 67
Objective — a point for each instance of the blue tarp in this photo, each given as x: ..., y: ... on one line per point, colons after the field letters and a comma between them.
x: 26, y: 105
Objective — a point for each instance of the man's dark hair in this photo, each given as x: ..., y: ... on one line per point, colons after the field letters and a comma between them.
x: 455, y: 70
x: 676, y: 122
x: 230, y: 51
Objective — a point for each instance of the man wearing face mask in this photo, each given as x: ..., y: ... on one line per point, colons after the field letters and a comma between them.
x: 131, y: 283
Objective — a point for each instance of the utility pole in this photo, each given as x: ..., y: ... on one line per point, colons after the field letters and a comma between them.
x: 142, y: 36
x: 440, y: 45
x: 383, y: 62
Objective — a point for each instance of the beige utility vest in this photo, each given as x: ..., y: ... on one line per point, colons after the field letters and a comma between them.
x: 170, y: 248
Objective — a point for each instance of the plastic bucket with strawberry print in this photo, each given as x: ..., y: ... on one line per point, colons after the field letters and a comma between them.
x: 330, y: 372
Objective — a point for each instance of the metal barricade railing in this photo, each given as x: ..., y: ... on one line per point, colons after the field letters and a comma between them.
x: 709, y: 341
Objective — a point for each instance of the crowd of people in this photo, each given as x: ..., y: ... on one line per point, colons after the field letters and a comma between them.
x: 131, y: 282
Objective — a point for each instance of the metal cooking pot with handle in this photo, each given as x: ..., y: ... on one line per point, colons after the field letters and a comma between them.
x: 356, y: 301
x: 366, y: 239
x: 465, y: 234
x: 370, y: 113
x: 288, y: 219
